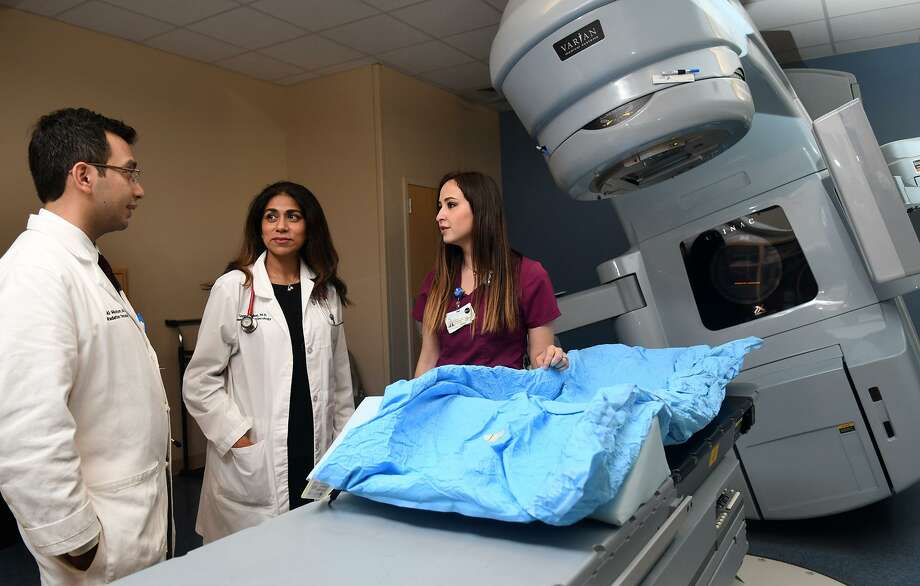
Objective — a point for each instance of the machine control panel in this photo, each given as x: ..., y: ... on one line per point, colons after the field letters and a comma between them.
x: 728, y: 506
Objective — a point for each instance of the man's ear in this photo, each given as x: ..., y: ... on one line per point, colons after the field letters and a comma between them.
x: 83, y: 176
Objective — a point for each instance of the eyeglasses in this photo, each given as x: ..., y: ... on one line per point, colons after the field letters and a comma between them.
x: 133, y: 175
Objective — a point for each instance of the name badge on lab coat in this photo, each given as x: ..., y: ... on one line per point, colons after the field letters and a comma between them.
x: 459, y: 317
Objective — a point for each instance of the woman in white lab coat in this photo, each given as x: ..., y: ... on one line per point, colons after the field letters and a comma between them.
x: 269, y: 383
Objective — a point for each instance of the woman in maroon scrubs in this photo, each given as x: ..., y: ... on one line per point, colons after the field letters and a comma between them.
x: 483, y: 303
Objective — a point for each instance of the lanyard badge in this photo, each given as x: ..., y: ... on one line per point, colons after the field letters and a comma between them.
x: 461, y: 316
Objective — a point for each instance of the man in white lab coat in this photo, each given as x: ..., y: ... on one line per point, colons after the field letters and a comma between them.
x: 84, y: 428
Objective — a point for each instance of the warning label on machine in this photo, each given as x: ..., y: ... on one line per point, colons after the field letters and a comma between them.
x: 846, y: 427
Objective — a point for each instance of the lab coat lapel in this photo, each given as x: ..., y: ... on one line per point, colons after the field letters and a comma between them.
x: 263, y: 289
x: 77, y: 243
x: 119, y: 297
x: 106, y: 285
x: 306, y: 288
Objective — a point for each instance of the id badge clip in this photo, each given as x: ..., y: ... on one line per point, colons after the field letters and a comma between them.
x: 459, y: 317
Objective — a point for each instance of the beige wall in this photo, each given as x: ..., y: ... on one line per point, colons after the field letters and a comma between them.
x: 208, y: 140
x: 211, y: 139
x: 332, y: 150
x: 426, y: 133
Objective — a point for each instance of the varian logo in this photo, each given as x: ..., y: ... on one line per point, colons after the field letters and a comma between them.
x: 579, y: 40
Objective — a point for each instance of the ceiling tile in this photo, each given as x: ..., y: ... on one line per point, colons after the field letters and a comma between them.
x: 770, y: 14
x: 311, y: 52
x: 473, y: 76
x: 447, y: 17
x: 247, y: 28
x: 315, y: 15
x: 876, y: 22
x: 43, y: 7
x: 377, y: 34
x: 879, y: 42
x: 844, y: 7
x: 816, y: 52
x: 194, y: 45
x: 390, y: 4
x: 809, y: 34
x: 115, y: 21
x: 424, y: 57
x: 476, y: 43
x: 260, y: 66
x: 178, y: 12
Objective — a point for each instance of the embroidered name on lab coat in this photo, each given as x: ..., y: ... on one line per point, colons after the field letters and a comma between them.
x: 256, y: 316
x: 113, y: 314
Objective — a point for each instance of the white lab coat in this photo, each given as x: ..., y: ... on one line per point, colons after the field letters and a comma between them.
x: 84, y: 422
x: 238, y: 382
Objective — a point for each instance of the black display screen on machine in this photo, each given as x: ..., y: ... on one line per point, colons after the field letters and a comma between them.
x: 747, y: 269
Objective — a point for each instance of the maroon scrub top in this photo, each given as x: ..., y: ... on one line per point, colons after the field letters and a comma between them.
x: 536, y: 306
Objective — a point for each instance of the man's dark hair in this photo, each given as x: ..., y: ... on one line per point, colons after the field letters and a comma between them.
x: 66, y: 137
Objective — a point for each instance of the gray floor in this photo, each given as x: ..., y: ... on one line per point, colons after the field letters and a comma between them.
x: 879, y: 544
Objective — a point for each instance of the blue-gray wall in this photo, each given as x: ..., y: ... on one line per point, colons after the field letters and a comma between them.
x: 571, y: 238
x: 889, y: 80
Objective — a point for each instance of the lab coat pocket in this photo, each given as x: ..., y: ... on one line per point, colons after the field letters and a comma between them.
x: 96, y: 572
x: 243, y: 475
x: 60, y: 571
x: 132, y: 512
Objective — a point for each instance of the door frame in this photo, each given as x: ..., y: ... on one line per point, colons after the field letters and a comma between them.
x: 409, y: 300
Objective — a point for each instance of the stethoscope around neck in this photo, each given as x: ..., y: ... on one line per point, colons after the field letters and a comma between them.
x: 248, y: 323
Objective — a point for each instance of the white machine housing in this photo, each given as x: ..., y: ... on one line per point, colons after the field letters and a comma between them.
x: 589, y: 126
x: 740, y: 224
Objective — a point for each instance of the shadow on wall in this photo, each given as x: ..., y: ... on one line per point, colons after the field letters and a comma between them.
x: 570, y: 238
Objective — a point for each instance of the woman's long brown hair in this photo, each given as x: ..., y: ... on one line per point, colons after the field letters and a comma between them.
x: 318, y: 251
x: 494, y: 263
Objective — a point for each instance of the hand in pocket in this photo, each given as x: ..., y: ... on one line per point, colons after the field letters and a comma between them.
x: 243, y: 442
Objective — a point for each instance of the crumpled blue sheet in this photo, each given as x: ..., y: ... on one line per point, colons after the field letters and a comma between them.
x: 531, y: 445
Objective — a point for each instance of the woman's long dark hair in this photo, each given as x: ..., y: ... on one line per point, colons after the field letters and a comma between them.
x: 495, y: 265
x: 317, y: 251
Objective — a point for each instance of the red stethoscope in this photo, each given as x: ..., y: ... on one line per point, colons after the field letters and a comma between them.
x: 248, y: 323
